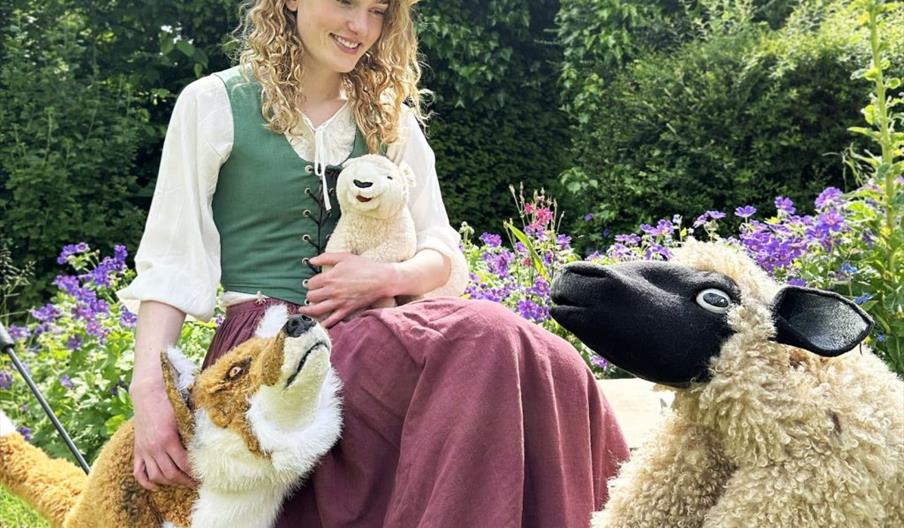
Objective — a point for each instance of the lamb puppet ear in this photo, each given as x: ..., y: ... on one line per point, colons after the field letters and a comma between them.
x: 178, y: 376
x: 822, y: 322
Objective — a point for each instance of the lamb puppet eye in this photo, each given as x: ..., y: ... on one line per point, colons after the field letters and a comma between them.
x: 713, y: 300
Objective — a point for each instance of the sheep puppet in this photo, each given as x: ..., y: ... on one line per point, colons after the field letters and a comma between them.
x: 255, y: 423
x: 773, y: 424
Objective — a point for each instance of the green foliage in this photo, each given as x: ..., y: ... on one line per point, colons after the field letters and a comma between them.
x: 494, y: 79
x: 15, y: 514
x: 67, y: 143
x: 737, y: 115
x: 79, y: 350
x: 882, y: 256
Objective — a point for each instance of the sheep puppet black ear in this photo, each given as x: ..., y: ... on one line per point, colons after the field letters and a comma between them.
x: 822, y: 322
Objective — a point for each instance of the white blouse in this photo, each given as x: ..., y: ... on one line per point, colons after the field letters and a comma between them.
x: 178, y: 260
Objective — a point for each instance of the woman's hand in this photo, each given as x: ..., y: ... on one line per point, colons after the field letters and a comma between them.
x: 354, y: 283
x: 159, y: 456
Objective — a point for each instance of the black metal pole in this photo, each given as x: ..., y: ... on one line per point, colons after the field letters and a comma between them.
x: 6, y: 343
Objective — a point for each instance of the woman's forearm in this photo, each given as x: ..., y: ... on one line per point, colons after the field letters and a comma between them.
x: 426, y: 271
x: 158, y: 328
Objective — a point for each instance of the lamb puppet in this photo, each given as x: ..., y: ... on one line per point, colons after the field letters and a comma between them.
x: 254, y: 423
x: 773, y: 424
x: 376, y: 222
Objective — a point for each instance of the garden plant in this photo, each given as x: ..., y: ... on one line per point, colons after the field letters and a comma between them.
x: 78, y: 345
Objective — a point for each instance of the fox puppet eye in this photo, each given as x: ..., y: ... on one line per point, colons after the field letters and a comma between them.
x: 238, y: 370
x: 714, y: 300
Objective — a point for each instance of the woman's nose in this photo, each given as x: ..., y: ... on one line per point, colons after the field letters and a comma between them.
x: 357, y: 22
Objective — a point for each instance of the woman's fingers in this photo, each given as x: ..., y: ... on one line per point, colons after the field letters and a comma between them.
x: 180, y: 459
x: 140, y: 474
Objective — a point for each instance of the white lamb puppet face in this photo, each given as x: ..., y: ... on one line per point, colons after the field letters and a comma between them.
x: 241, y: 410
x: 374, y: 186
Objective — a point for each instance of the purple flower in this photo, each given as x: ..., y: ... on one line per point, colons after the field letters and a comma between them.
x: 599, y: 362
x: 563, y: 241
x: 532, y: 311
x: 863, y: 298
x: 847, y: 269
x: 6, y: 380
x: 880, y: 338
x: 657, y: 252
x: 97, y: 330
x: 120, y: 253
x: 18, y: 333
x: 621, y: 253
x: 830, y: 221
x: 71, y: 249
x: 218, y: 320
x: 74, y: 342
x: 797, y: 282
x: 540, y: 288
x: 129, y: 320
x: 663, y: 228
x: 745, y: 212
x: 499, y: 263
x: 46, y: 313
x: 785, y: 205
x: 491, y: 239
x: 830, y: 196
x: 707, y: 216
x: 67, y: 283
x: 25, y: 432
x: 66, y: 382
x: 628, y: 240
x: 588, y: 217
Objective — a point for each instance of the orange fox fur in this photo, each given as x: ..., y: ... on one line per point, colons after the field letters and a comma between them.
x: 234, y: 419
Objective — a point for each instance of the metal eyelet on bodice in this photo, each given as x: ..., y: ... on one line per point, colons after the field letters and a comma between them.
x: 319, y: 215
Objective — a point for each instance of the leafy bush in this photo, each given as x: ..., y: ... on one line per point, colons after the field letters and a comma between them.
x: 78, y: 349
x: 496, y: 118
x: 734, y: 116
x: 67, y: 144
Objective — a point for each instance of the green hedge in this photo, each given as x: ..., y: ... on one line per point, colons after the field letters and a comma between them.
x: 737, y: 115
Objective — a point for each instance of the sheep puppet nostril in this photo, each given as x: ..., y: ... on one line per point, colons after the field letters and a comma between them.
x: 362, y: 185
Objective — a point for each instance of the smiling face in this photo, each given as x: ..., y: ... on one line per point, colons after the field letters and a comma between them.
x: 337, y: 33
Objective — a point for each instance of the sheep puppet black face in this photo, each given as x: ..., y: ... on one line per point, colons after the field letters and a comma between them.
x: 772, y: 424
x: 664, y: 322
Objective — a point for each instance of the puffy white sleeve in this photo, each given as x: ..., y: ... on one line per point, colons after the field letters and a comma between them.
x: 426, y: 205
x: 178, y: 260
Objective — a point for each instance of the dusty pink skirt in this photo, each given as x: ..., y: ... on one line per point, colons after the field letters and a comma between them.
x: 456, y: 414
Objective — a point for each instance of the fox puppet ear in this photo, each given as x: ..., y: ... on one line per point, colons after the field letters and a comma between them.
x: 179, y: 375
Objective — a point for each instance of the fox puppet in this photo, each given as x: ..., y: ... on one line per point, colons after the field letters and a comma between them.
x: 255, y: 424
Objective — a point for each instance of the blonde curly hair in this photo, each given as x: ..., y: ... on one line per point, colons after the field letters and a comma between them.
x: 381, y: 84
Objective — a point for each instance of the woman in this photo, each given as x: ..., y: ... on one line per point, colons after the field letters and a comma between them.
x: 456, y: 413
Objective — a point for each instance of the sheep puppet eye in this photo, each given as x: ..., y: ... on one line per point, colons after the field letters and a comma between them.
x: 714, y: 300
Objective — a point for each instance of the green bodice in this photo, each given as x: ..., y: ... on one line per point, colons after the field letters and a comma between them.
x: 268, y: 205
